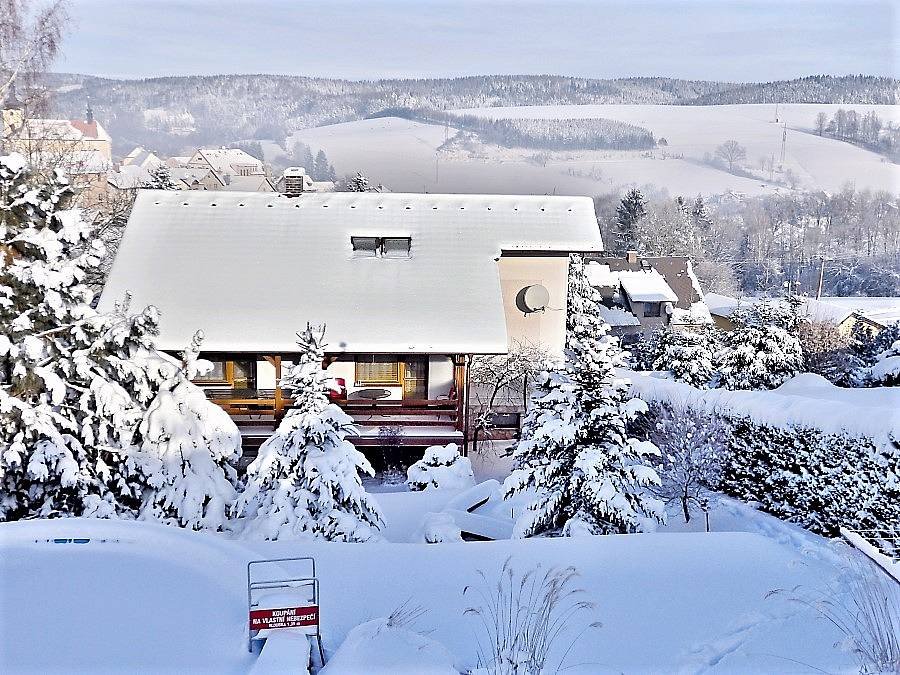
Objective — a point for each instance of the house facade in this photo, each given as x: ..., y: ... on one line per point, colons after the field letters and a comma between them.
x: 410, y: 287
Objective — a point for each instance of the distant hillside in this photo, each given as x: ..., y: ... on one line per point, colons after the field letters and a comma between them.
x: 173, y: 114
x: 814, y: 89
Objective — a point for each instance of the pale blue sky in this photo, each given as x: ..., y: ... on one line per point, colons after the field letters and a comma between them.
x: 745, y: 40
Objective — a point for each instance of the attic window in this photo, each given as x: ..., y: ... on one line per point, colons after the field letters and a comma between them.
x: 385, y: 247
x: 396, y: 247
x: 365, y: 247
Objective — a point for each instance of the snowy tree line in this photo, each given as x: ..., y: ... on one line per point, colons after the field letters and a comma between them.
x: 813, y: 89
x: 770, y: 343
x: 552, y: 134
x: 868, y: 130
x: 759, y: 245
x: 222, y: 108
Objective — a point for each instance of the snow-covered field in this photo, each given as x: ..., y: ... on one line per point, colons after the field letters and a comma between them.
x: 147, y: 598
x: 404, y: 155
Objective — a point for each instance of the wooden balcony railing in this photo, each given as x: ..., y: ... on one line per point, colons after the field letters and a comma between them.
x: 259, y: 405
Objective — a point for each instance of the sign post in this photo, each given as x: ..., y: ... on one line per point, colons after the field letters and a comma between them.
x: 277, y: 600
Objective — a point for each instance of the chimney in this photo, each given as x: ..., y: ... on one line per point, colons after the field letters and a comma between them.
x: 89, y: 117
x: 631, y: 257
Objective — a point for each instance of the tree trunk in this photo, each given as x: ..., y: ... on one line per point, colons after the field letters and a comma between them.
x: 684, y: 507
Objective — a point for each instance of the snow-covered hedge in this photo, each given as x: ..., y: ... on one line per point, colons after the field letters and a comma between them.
x: 808, y: 452
x: 441, y: 467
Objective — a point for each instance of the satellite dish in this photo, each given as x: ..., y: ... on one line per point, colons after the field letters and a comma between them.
x: 534, y: 298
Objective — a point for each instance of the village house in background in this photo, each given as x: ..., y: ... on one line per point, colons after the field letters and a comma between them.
x: 409, y: 286
x: 870, y: 314
x: 645, y: 294
x: 82, y: 148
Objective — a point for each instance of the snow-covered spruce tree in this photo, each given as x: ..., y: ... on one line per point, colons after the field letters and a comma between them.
x: 629, y: 213
x: 191, y: 448
x: 689, y: 354
x: 763, y: 351
x: 575, y: 452
x: 71, y: 397
x: 161, y: 179
x: 305, y: 481
x: 357, y: 183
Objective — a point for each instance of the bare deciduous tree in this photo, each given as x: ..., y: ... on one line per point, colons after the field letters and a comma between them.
x: 30, y: 37
x: 731, y: 152
x: 503, y: 379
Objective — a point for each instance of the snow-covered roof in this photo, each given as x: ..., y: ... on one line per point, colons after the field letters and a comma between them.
x: 600, y: 276
x: 254, y: 183
x: 76, y: 162
x: 834, y: 310
x: 618, y: 317
x: 251, y: 269
x: 63, y: 130
x: 649, y: 286
x: 226, y: 160
x: 883, y: 310
x: 129, y: 176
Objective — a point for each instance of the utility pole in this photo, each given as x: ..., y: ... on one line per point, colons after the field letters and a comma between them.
x: 821, y: 276
x: 783, y: 142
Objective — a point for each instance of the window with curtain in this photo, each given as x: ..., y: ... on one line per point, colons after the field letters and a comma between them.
x: 377, y: 369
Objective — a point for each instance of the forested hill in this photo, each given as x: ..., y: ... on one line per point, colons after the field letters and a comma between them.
x: 172, y: 114
x: 813, y: 89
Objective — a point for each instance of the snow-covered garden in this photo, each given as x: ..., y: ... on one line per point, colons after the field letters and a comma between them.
x: 608, y: 544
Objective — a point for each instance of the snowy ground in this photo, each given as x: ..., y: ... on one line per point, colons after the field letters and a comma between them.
x: 158, y: 599
x: 404, y: 154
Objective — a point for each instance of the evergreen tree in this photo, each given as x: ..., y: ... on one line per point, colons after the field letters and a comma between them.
x: 689, y: 354
x: 72, y: 397
x: 763, y: 351
x: 885, y: 368
x: 191, y: 448
x: 302, y: 156
x: 305, y: 481
x: 357, y: 183
x: 575, y: 450
x: 161, y: 179
x: 321, y: 169
x: 630, y: 212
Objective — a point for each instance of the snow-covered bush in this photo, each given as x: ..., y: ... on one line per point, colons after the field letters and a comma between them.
x: 575, y: 452
x: 885, y: 371
x: 763, y: 351
x: 192, y: 447
x: 439, y: 528
x: 385, y: 645
x: 441, y: 467
x: 305, y: 481
x: 688, y: 354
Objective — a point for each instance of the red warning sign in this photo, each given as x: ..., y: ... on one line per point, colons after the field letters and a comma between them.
x: 285, y: 617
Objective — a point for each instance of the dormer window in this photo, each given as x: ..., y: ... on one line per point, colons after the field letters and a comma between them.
x: 384, y: 247
x: 396, y: 247
x: 365, y: 247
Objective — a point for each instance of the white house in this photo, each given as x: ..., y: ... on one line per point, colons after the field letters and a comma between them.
x: 230, y: 161
x: 409, y: 287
